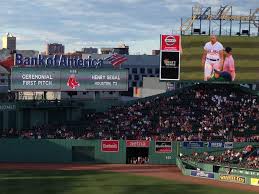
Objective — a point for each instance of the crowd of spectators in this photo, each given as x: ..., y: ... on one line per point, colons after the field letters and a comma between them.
x: 200, y: 113
x: 252, y: 162
x: 42, y: 132
x: 248, y: 157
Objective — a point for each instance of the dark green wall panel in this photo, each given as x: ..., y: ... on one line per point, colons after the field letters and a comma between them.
x: 162, y: 158
x: 24, y: 150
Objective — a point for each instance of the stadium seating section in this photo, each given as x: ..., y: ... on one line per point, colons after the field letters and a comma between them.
x: 247, y: 157
x: 207, y: 112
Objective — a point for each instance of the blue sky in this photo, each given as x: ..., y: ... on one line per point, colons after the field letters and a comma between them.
x: 100, y: 23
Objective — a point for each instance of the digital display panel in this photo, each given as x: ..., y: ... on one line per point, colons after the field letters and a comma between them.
x: 68, y: 79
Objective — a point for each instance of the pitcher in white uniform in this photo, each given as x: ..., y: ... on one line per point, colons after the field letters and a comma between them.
x: 213, y: 57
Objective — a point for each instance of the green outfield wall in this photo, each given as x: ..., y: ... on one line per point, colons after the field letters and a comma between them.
x: 66, y: 151
x: 94, y: 151
x: 58, y: 151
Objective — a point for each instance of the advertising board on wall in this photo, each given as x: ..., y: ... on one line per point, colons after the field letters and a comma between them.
x: 202, y: 174
x: 163, y: 146
x: 110, y: 146
x: 255, y: 181
x: 193, y: 144
x: 215, y: 144
x: 137, y: 143
x: 226, y: 145
x: 232, y: 178
x: 245, y: 172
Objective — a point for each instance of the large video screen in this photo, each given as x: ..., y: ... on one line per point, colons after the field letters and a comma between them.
x: 231, y: 59
x: 68, y: 79
x: 212, y: 59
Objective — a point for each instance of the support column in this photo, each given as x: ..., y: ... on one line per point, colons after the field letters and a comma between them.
x: 192, y: 23
x: 230, y: 32
x: 181, y: 27
x: 249, y: 27
x: 210, y: 23
x: 18, y: 120
x: 240, y: 27
x: 220, y: 26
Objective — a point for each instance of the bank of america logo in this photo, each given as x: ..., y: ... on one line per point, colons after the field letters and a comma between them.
x: 116, y: 59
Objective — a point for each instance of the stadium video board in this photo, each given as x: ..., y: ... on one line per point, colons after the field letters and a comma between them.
x: 68, y: 79
x: 209, y: 58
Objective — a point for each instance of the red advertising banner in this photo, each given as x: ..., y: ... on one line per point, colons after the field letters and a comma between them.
x: 110, y: 146
x: 137, y: 143
x: 170, y: 43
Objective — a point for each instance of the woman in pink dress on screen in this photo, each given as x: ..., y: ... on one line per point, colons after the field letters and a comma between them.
x: 229, y: 63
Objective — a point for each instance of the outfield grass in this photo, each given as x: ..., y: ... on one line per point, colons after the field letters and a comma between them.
x: 245, y: 52
x: 87, y: 182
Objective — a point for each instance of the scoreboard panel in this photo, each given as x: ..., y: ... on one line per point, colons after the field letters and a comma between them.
x: 68, y: 79
x: 31, y: 79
